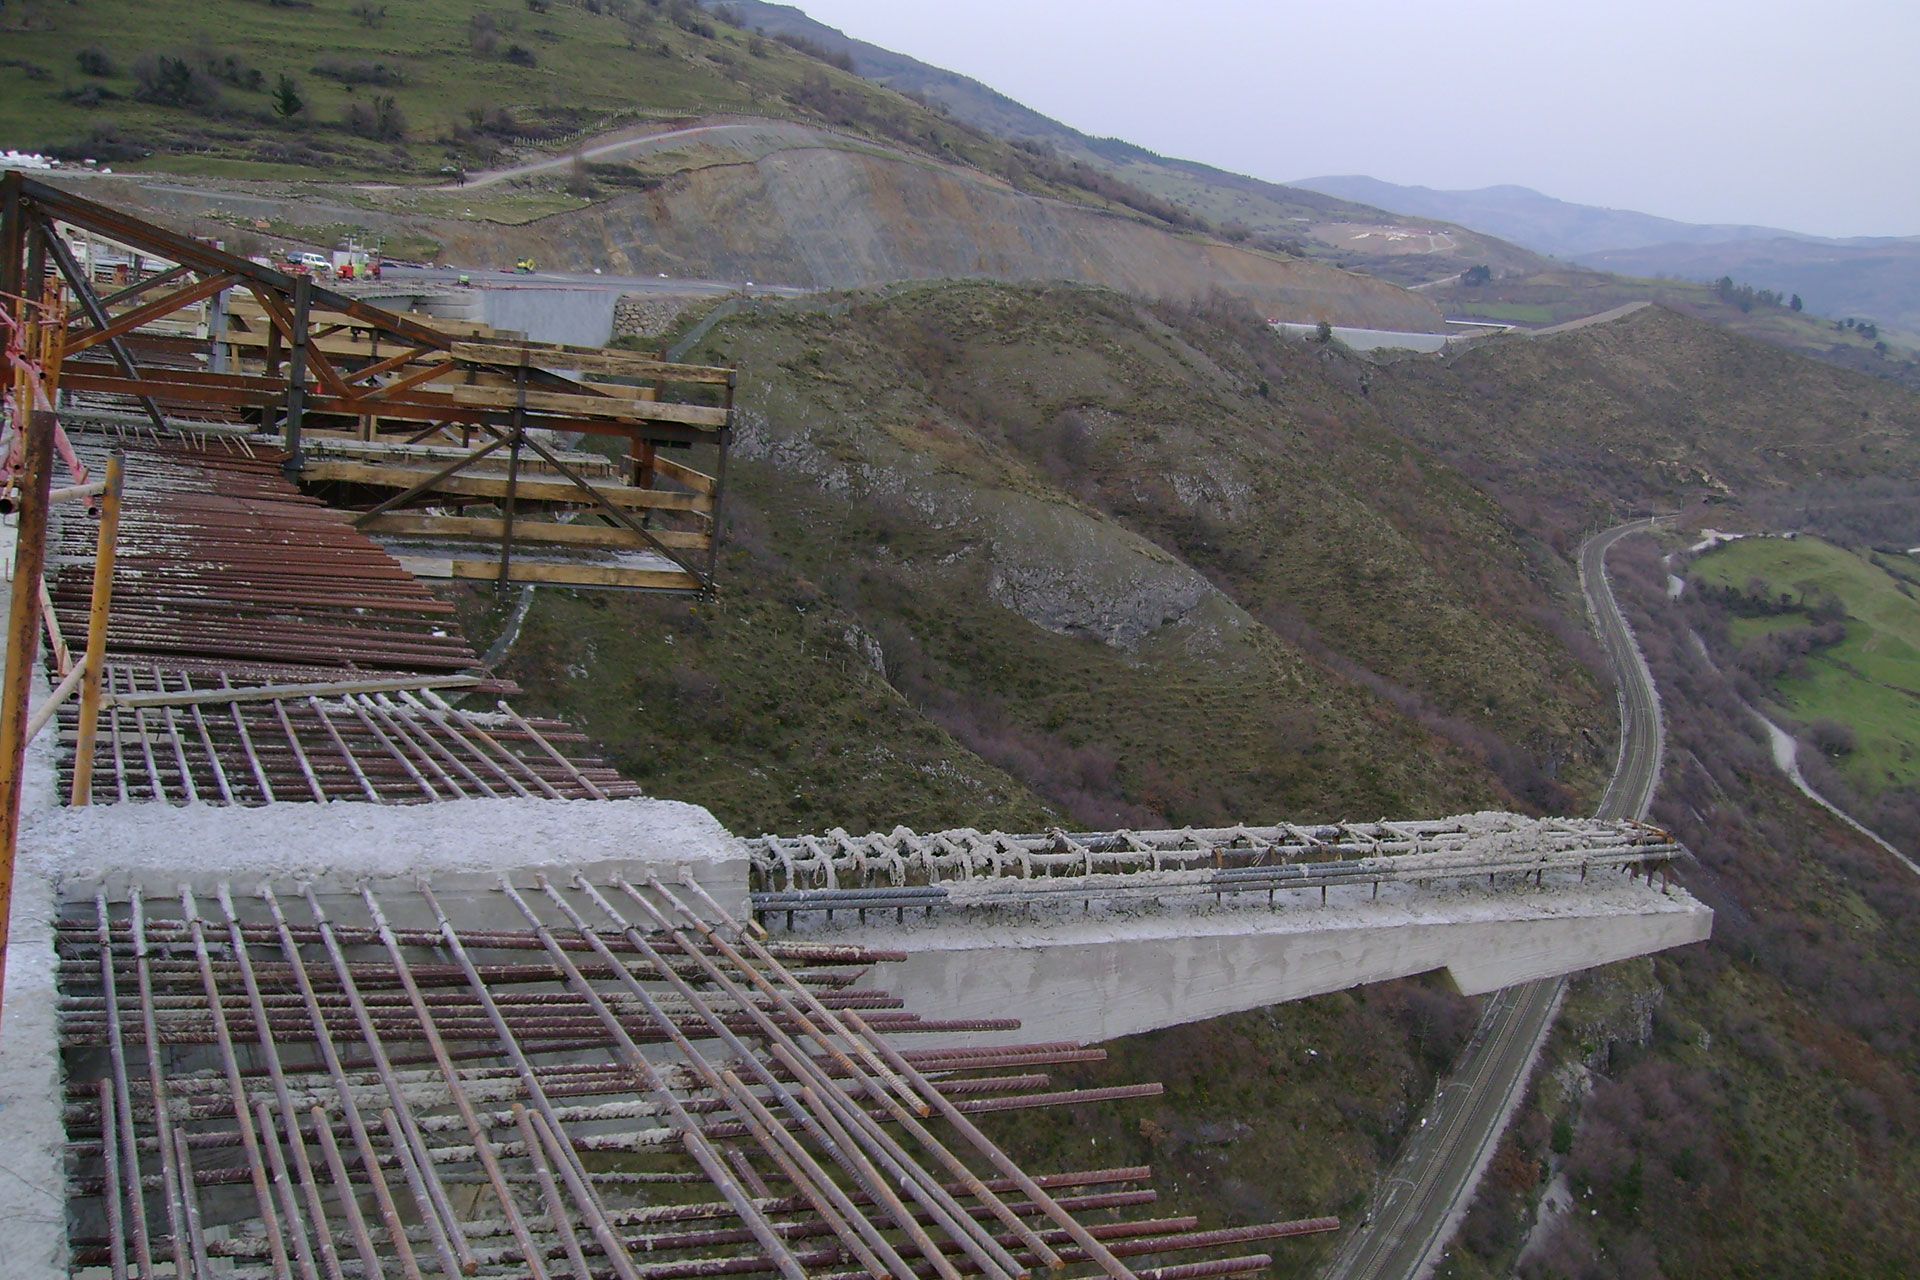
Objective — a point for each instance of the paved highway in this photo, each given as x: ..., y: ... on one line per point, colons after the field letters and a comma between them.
x: 448, y: 277
x: 1417, y: 1207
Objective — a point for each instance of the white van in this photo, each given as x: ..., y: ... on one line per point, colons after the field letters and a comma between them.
x: 317, y: 263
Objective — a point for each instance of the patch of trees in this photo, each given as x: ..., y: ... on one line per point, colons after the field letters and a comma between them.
x: 1864, y: 328
x: 169, y: 80
x: 1477, y: 275
x: 840, y: 58
x: 1746, y: 297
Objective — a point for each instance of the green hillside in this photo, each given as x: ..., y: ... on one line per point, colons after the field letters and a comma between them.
x: 401, y: 91
x: 1004, y: 556
x: 1535, y: 299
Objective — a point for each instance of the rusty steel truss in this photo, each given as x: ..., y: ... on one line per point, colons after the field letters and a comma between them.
x: 449, y: 435
x: 555, y: 1078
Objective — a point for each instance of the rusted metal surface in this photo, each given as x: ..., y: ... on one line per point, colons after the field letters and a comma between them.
x: 266, y: 1083
x: 227, y: 576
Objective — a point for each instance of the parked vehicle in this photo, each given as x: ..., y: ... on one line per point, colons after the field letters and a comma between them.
x: 311, y: 263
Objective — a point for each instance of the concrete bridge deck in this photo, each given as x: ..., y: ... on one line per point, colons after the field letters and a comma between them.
x: 1180, y: 926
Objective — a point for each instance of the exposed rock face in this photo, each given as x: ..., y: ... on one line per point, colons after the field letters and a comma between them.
x: 1061, y: 569
x: 828, y: 217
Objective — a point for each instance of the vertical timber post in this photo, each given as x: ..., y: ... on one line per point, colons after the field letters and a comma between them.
x: 23, y: 638
x: 13, y: 237
x: 297, y: 371
x: 97, y: 634
x: 720, y: 485
x: 513, y: 472
x: 217, y: 332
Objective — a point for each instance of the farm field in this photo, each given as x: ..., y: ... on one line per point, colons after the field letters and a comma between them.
x: 1871, y: 680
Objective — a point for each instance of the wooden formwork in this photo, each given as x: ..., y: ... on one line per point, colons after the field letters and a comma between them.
x: 484, y: 456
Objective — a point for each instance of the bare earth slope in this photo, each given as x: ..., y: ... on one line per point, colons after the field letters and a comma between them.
x: 780, y: 203
x: 843, y: 218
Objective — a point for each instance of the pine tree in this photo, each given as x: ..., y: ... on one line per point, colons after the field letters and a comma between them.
x: 286, y: 99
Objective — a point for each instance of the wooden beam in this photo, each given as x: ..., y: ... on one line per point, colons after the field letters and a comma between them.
x: 483, y: 486
x: 560, y: 575
x: 594, y: 406
x: 586, y: 360
x: 680, y: 473
x: 391, y: 363
x: 148, y: 312
x: 411, y: 380
x: 571, y: 534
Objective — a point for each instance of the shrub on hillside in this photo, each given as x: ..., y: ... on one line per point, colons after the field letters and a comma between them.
x: 94, y: 61
x: 381, y: 120
x: 355, y: 71
x: 483, y: 34
x: 170, y: 80
x: 102, y: 142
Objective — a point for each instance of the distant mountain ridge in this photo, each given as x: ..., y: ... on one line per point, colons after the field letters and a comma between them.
x: 1866, y: 277
x: 1539, y: 222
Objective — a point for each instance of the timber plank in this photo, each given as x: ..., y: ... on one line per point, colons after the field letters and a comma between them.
x: 607, y: 537
x: 586, y: 360
x: 694, y: 415
x: 495, y: 486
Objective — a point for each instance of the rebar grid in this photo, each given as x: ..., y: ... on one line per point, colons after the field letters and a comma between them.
x: 229, y: 577
x: 569, y: 1080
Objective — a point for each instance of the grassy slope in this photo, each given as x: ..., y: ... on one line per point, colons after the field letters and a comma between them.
x: 592, y: 70
x: 889, y: 441
x: 1871, y: 680
x: 1657, y: 408
x: 1544, y: 297
x: 1745, y: 1088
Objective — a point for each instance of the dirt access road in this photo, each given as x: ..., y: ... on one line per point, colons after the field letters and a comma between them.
x: 623, y: 142
x: 1420, y: 1204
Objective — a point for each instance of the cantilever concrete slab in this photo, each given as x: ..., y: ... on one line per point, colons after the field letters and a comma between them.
x: 1096, y: 977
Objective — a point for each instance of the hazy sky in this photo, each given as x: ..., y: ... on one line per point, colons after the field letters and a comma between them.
x: 1802, y: 114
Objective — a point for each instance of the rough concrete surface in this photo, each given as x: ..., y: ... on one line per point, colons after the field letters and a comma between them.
x: 33, y: 1189
x: 161, y: 846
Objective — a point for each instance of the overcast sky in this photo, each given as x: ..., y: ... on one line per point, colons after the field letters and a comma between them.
x: 1793, y: 113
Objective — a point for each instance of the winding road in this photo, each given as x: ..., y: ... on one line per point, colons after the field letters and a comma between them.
x: 1420, y: 1203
